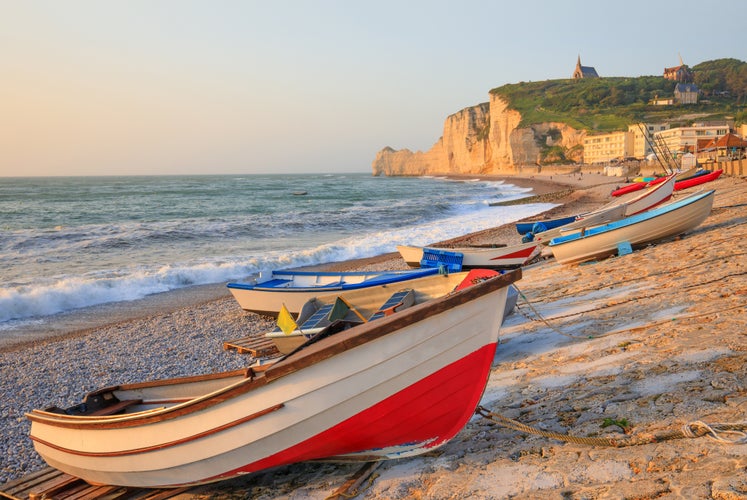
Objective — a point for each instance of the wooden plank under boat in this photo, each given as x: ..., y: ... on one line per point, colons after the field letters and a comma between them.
x: 666, y: 220
x: 396, y: 387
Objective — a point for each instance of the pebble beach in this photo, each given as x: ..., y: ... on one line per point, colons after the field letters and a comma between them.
x: 628, y: 348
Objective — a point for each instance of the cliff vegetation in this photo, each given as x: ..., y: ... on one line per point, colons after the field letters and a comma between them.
x: 612, y: 103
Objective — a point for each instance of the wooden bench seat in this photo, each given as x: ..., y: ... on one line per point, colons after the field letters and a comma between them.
x: 115, y: 408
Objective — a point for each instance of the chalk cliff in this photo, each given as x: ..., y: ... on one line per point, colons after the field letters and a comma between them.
x: 484, y: 139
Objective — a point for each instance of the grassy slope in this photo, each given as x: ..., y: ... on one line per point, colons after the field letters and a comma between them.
x: 606, y: 104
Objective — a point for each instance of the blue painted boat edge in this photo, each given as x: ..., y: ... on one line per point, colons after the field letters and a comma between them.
x: 526, y: 227
x: 290, y: 272
x: 649, y: 214
x: 384, y: 278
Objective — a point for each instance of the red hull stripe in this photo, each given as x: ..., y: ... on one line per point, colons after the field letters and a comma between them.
x: 432, y: 410
x: 518, y: 254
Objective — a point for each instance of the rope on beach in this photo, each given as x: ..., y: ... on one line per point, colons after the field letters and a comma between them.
x: 633, y: 299
x: 687, y: 269
x: 723, y: 433
x: 542, y: 318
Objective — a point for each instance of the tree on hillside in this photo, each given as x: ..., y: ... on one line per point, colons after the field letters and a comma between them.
x: 722, y: 75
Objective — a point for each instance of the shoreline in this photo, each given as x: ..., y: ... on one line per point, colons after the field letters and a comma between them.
x: 80, y: 322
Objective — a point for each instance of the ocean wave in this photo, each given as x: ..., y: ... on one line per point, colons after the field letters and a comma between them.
x: 55, y: 295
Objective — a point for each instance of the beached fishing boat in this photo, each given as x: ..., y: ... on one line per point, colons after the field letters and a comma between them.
x: 538, y: 226
x: 499, y: 257
x: 666, y: 220
x: 271, y: 290
x: 698, y: 180
x: 362, y: 306
x: 395, y: 387
x: 681, y: 176
x: 624, y: 206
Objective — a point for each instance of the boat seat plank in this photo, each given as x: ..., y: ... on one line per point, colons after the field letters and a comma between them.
x: 274, y: 283
x: 116, y: 407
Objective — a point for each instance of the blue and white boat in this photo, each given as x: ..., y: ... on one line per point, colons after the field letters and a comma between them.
x: 661, y: 222
x: 267, y: 294
x: 539, y: 226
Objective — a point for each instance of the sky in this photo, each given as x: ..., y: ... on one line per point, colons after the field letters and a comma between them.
x: 96, y: 87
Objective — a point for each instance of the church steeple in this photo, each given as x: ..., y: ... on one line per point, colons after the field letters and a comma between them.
x: 584, y: 71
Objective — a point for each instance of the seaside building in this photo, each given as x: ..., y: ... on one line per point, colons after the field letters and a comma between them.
x: 681, y: 140
x: 601, y: 148
x: 727, y: 147
x: 584, y: 71
x: 643, y: 137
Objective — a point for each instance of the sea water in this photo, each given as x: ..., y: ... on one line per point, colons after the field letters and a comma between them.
x: 72, y: 242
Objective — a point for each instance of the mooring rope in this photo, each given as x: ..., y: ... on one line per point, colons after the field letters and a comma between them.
x: 685, y: 269
x: 723, y: 433
x: 541, y: 318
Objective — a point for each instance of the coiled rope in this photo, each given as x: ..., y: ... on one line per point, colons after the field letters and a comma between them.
x: 722, y: 433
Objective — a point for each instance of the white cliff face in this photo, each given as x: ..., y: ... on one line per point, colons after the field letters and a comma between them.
x: 505, y: 137
x: 483, y: 139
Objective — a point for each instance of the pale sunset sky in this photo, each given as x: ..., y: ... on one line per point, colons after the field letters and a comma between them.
x: 95, y: 87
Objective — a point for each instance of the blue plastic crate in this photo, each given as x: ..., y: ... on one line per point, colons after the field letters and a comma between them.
x: 451, y: 261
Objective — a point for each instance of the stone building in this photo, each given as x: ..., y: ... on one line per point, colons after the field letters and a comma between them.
x: 679, y: 73
x: 686, y: 93
x: 584, y: 71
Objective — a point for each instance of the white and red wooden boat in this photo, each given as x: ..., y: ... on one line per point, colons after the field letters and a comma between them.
x: 499, y: 257
x: 399, y: 386
x: 623, y: 206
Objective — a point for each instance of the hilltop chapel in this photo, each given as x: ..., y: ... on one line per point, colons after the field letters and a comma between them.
x: 584, y: 71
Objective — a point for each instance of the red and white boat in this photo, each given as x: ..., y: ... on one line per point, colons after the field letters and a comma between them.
x: 696, y: 181
x: 500, y: 257
x: 624, y: 206
x: 396, y: 387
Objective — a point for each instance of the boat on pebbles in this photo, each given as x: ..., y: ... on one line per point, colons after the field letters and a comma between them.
x: 270, y: 290
x: 489, y: 257
x: 399, y: 386
x: 661, y: 222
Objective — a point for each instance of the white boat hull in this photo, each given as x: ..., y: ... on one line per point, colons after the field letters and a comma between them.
x: 302, y: 287
x: 391, y: 388
x: 625, y: 206
x: 664, y: 221
x: 480, y: 257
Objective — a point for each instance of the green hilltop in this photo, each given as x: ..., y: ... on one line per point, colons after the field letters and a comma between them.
x: 613, y: 103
